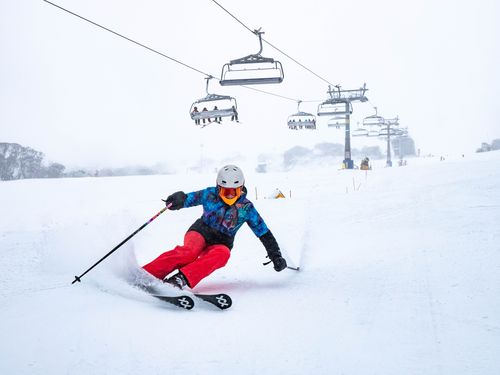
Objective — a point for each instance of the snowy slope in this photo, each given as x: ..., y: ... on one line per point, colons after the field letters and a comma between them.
x: 400, y: 274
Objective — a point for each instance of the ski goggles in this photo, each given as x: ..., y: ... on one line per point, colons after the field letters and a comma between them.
x: 229, y: 192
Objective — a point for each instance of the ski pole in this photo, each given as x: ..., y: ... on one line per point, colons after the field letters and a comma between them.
x: 293, y: 268
x: 78, y: 278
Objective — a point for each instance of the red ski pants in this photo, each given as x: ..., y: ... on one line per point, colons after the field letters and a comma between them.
x: 194, y: 259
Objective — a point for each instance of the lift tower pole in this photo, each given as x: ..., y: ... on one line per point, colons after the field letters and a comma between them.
x: 348, y: 163
x: 388, y: 162
x: 390, y: 131
x: 339, y: 105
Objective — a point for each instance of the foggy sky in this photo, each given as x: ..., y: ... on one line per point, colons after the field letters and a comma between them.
x: 86, y: 97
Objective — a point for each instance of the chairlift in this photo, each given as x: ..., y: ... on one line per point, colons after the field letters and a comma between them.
x: 301, y: 120
x: 336, y: 105
x: 386, y: 131
x: 373, y: 131
x: 390, y: 128
x: 338, y: 121
x: 402, y: 132
x: 374, y: 120
x: 220, y: 106
x: 360, y: 131
x: 252, y: 69
x: 330, y: 107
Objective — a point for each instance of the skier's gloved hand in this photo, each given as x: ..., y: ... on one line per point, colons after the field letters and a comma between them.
x: 279, y: 263
x: 175, y: 201
x: 273, y: 251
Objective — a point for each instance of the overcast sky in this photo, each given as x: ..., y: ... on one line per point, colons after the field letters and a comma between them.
x: 86, y: 97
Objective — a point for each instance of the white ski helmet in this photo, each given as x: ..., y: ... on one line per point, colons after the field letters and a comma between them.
x: 230, y: 176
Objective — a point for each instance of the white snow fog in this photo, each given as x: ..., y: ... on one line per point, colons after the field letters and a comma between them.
x: 372, y: 156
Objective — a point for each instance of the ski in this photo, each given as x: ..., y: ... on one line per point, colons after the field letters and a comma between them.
x: 220, y: 300
x: 184, y: 302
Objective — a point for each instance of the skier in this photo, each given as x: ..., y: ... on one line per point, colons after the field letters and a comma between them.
x: 235, y: 114
x: 217, y: 119
x: 208, y: 242
x: 195, y: 111
x: 365, y: 164
x: 208, y: 118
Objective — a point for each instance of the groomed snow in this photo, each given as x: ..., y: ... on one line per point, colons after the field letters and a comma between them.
x: 399, y: 274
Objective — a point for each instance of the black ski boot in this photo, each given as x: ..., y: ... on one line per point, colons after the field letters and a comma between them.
x: 178, y: 280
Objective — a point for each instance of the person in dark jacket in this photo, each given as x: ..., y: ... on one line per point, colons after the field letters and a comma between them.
x: 208, y: 242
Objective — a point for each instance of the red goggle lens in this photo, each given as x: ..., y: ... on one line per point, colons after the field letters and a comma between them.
x: 230, y: 192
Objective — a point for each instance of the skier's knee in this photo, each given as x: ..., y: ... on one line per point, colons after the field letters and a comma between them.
x: 222, y: 253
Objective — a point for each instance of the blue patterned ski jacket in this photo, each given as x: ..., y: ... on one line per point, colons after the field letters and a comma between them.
x: 220, y: 222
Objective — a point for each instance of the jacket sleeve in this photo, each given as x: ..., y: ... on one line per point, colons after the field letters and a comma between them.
x: 195, y: 198
x: 256, y: 223
x: 261, y: 230
x: 271, y: 245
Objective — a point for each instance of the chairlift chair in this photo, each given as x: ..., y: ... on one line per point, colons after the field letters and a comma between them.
x: 338, y: 121
x: 374, y: 120
x: 390, y: 128
x: 301, y: 120
x: 402, y: 132
x: 252, y: 69
x: 385, y: 131
x: 336, y: 105
x: 373, y: 131
x: 360, y: 132
x: 333, y: 107
x: 227, y: 104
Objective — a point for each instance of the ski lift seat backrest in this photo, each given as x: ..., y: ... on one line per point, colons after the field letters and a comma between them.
x: 301, y: 120
x: 213, y: 114
x: 385, y: 131
x: 373, y: 132
x: 227, y: 103
x: 251, y: 81
x: 236, y: 73
x: 373, y: 121
x: 330, y: 107
x: 359, y: 132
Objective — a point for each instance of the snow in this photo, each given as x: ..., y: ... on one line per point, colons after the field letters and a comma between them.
x: 399, y: 274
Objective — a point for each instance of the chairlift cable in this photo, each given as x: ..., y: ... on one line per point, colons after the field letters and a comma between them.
x: 273, y: 46
x: 127, y: 38
x: 162, y: 54
x: 282, y: 96
x: 228, y: 12
x: 271, y: 93
x: 297, y: 62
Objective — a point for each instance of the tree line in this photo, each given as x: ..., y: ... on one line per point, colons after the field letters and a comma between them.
x: 17, y: 162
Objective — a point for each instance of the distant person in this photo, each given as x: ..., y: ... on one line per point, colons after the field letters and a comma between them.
x: 365, y: 164
x: 234, y: 117
x: 217, y: 119
x: 196, y: 120
x: 208, y: 118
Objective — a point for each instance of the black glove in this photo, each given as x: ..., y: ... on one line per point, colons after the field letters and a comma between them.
x: 279, y: 263
x: 273, y: 251
x: 175, y: 201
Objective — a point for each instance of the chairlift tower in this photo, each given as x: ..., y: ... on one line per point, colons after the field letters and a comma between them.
x: 391, y: 128
x: 378, y: 126
x: 339, y: 105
